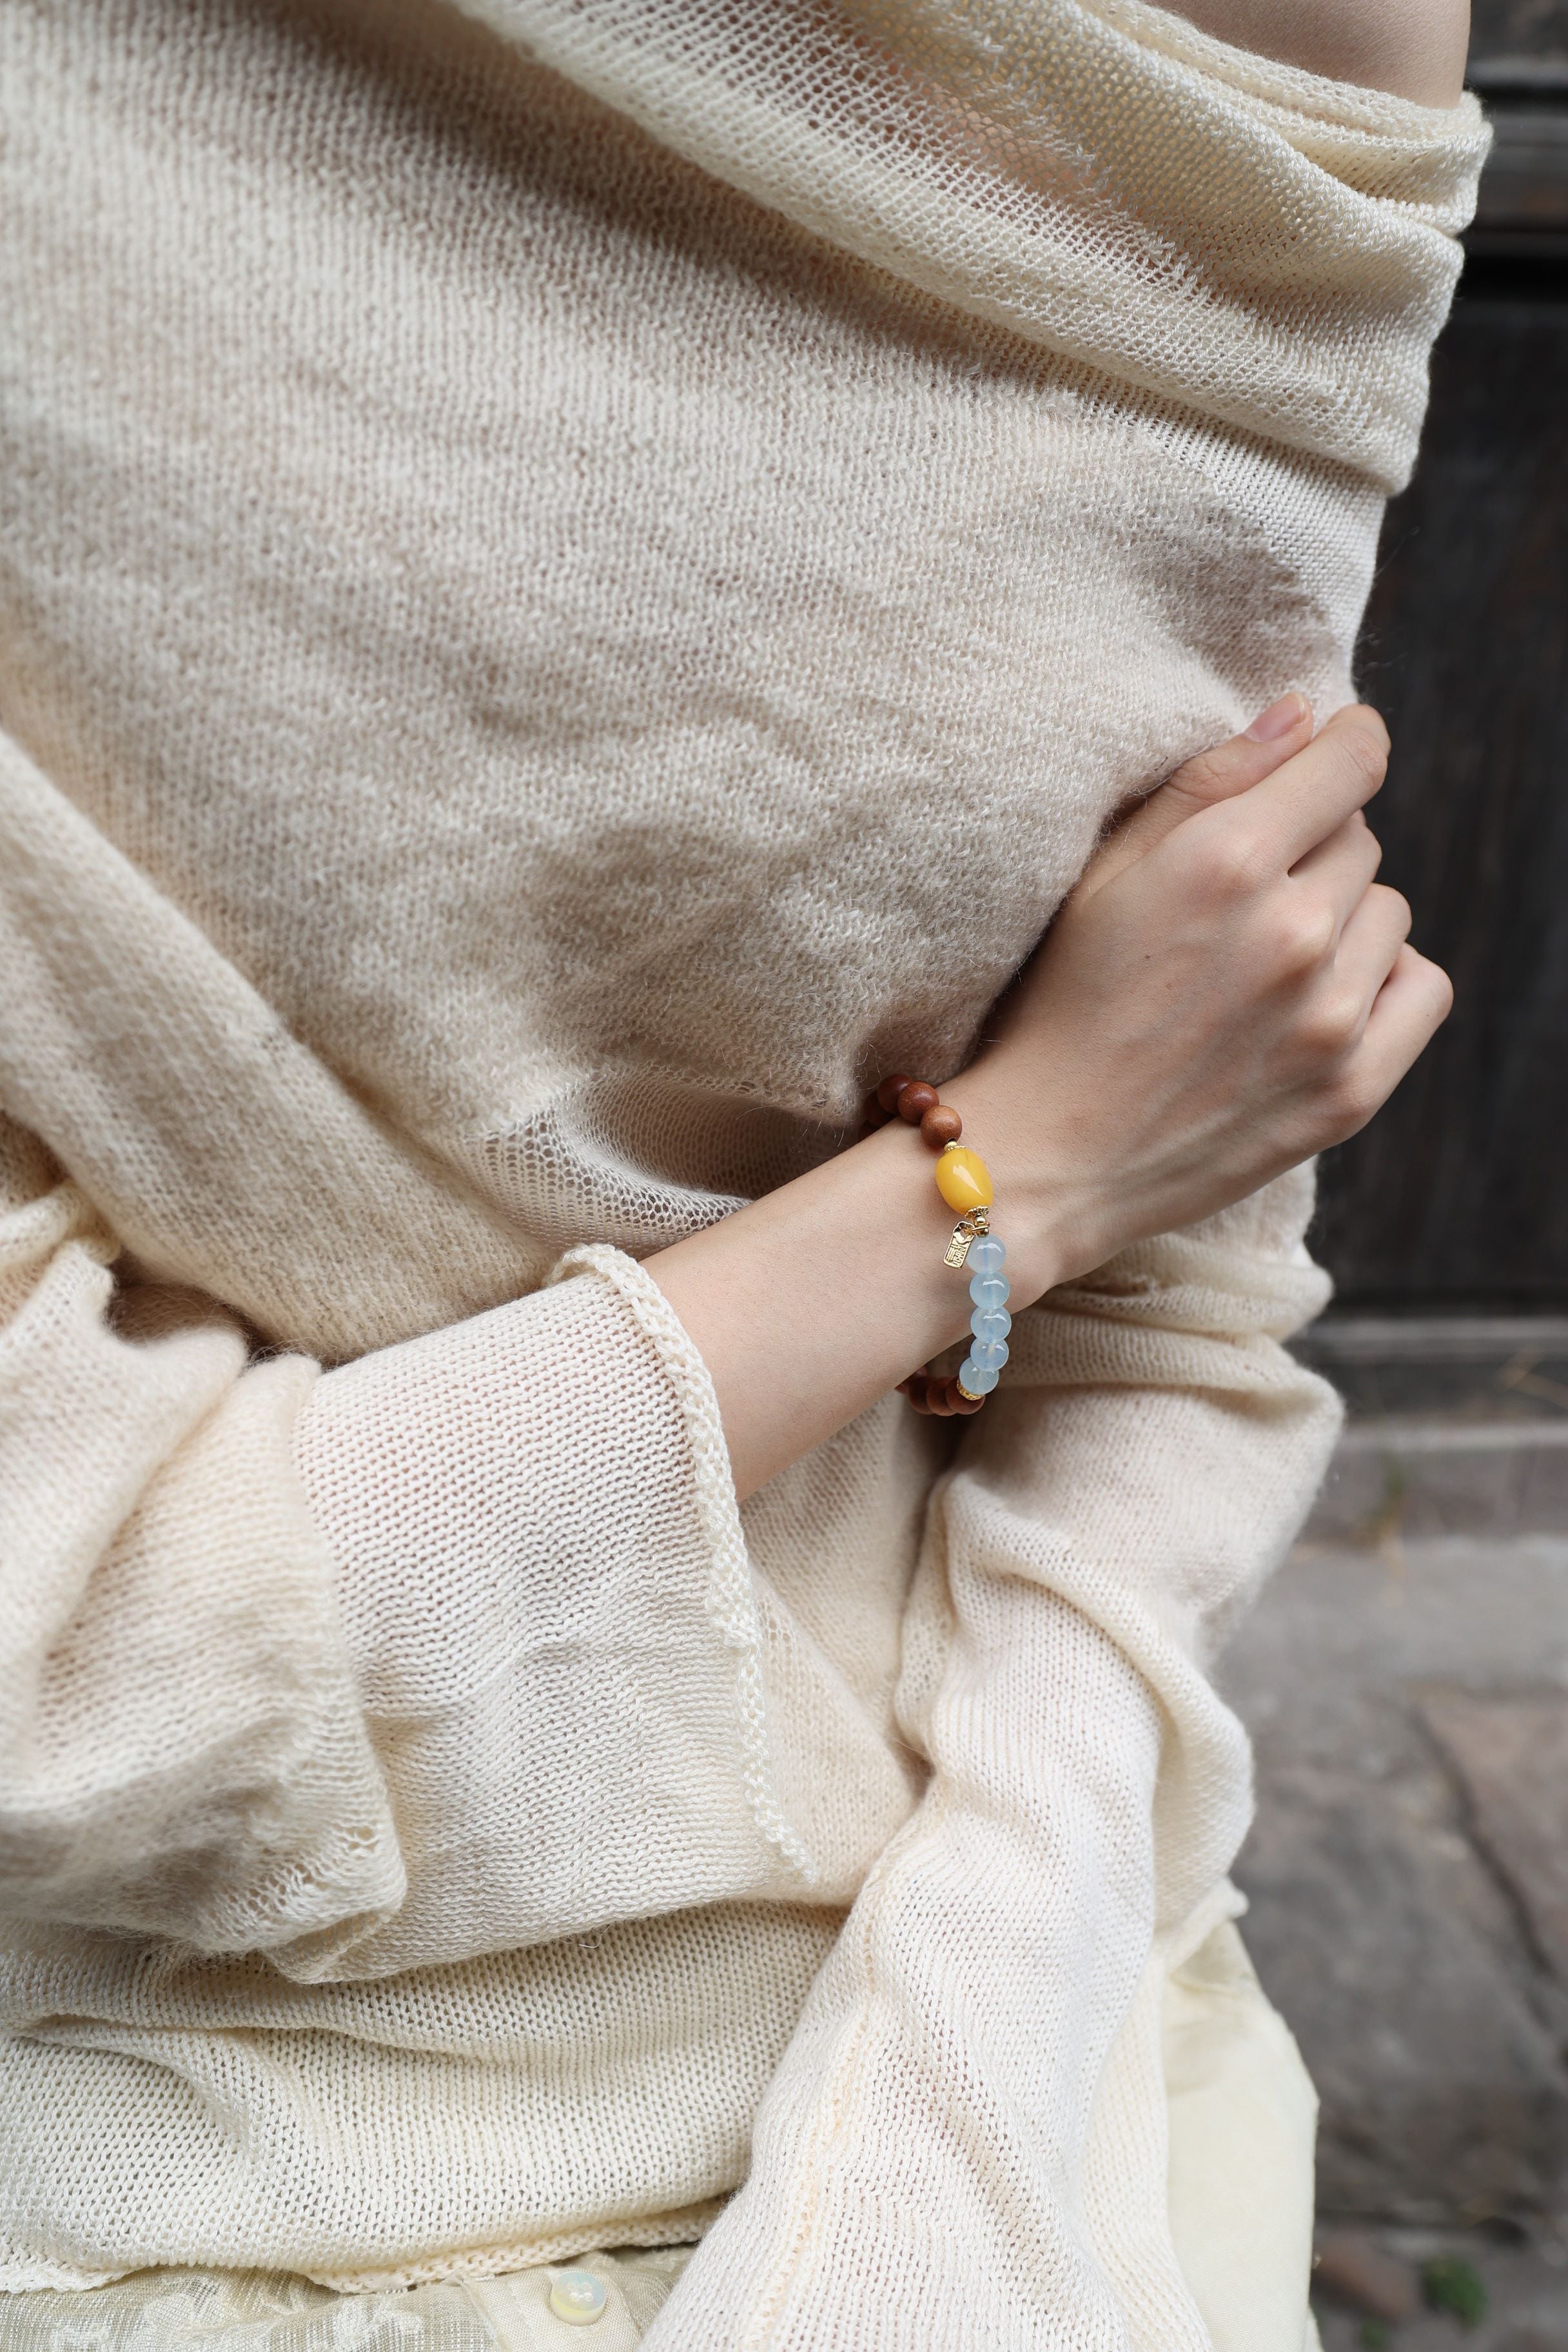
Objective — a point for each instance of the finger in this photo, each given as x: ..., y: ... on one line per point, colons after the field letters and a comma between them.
x: 1236, y: 765
x: 1307, y: 799
x: 1342, y: 868
x: 1370, y: 946
x: 1411, y: 1007
x: 1232, y: 767
x: 1337, y: 1009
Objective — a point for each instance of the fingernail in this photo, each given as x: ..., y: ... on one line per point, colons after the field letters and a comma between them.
x: 1279, y: 719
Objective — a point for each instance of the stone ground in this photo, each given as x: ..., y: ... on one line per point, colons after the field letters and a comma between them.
x: 1408, y: 1879
x: 1526, y: 2289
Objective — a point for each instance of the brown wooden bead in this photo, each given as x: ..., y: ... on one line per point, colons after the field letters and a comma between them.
x: 938, y: 1393
x: 941, y: 1125
x: 889, y: 1090
x: 916, y: 1099
x: 875, y: 1118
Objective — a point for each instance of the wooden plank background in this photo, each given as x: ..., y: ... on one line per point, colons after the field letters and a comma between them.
x: 1457, y: 1196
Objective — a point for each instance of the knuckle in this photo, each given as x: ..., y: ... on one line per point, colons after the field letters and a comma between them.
x: 1362, y: 744
x: 1395, y: 906
x: 1198, y: 777
x: 1228, y: 865
x: 1363, y: 720
x: 1304, y: 936
x: 1438, y: 986
x: 1330, y: 1027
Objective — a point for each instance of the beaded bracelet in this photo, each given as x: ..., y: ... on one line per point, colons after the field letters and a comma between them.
x: 964, y: 1183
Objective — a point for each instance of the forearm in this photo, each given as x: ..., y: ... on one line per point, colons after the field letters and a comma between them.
x: 815, y: 1300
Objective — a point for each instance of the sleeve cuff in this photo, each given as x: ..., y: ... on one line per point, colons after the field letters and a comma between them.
x: 550, y: 1612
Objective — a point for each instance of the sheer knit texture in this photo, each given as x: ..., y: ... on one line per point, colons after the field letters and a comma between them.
x: 579, y: 581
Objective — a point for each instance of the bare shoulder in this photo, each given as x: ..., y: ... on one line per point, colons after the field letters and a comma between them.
x: 1415, y: 48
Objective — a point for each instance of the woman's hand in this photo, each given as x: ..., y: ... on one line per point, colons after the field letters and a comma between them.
x: 1227, y: 991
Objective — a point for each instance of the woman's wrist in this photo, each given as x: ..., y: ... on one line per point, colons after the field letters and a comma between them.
x: 818, y: 1300
x: 1038, y: 1211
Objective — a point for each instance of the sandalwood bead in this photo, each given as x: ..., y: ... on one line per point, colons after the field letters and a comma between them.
x: 889, y: 1090
x: 916, y: 1099
x: 941, y: 1125
x: 964, y: 1179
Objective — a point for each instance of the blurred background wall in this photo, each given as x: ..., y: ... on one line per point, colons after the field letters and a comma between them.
x: 1406, y: 1678
x: 1456, y: 1196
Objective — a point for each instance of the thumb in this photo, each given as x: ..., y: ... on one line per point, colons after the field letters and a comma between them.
x: 1218, y: 775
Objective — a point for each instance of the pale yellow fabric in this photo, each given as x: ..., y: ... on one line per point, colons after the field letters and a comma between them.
x: 239, y: 2311
x: 577, y: 588
x: 1243, y: 2118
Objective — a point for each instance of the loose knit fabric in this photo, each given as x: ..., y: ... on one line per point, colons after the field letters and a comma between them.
x: 578, y: 586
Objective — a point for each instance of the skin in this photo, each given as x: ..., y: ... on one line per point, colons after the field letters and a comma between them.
x: 1413, y: 48
x: 1227, y: 991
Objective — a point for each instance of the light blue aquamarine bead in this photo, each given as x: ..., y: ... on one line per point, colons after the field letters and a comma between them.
x: 989, y: 1354
x: 991, y: 1322
x: 989, y: 1290
x: 986, y: 1254
x: 978, y: 1379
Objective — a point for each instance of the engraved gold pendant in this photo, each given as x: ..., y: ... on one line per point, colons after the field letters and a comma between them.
x: 968, y: 1229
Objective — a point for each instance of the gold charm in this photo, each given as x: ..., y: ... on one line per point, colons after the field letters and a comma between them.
x: 968, y: 1229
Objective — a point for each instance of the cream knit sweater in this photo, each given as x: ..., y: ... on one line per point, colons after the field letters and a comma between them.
x: 577, y: 587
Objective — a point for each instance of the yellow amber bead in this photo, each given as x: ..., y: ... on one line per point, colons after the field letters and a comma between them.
x: 964, y: 1179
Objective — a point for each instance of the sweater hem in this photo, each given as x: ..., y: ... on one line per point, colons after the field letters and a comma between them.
x: 730, y: 1601
x: 684, y: 2227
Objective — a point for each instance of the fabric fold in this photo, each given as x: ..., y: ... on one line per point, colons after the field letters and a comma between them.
x: 180, y: 1752
x: 1247, y: 241
x: 975, y: 2102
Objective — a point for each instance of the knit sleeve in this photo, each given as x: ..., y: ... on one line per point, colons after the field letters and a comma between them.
x: 255, y: 1696
x: 551, y: 1619
x: 182, y: 1752
x: 974, y: 2098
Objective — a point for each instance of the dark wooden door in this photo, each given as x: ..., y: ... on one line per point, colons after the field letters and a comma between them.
x: 1457, y: 1196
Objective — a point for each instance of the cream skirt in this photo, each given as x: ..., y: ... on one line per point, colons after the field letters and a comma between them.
x: 269, y: 2311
